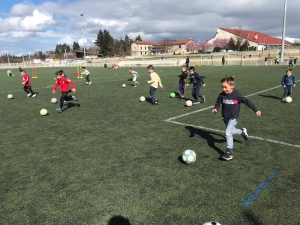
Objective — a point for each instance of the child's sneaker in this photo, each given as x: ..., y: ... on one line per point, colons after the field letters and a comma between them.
x: 74, y: 98
x: 86, y: 82
x: 33, y: 95
x: 90, y: 82
x: 203, y: 98
x: 227, y: 156
x: 155, y: 103
x: 29, y: 95
x: 195, y: 103
x: 244, y: 134
x: 59, y: 110
x: 283, y: 99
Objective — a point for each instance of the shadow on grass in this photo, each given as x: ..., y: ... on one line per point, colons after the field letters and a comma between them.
x: 208, y: 135
x: 149, y: 100
x: 71, y: 105
x: 252, y: 218
x: 119, y: 220
x: 270, y: 96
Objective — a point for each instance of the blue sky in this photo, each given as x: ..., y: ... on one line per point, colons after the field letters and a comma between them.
x: 32, y: 25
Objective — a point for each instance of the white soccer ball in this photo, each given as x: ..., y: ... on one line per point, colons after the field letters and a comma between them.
x: 188, y: 103
x: 44, y: 112
x: 142, y: 99
x: 53, y: 100
x: 123, y: 85
x: 189, y: 156
x: 212, y: 223
x: 288, y: 99
x: 10, y: 96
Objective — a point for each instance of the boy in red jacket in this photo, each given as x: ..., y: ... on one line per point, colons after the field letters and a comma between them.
x: 63, y: 82
x: 27, y: 84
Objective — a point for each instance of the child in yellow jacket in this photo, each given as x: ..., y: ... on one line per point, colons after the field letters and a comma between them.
x: 154, y: 82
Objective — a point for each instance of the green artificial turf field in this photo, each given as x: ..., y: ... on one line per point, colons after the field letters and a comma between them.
x: 110, y: 159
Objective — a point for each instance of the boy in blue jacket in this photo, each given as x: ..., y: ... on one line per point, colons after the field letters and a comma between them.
x: 287, y: 82
x: 197, y: 81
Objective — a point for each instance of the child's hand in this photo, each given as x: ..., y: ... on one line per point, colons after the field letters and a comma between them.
x: 53, y: 91
x: 73, y: 90
x: 161, y: 86
x: 294, y: 85
x: 187, y: 85
x: 258, y: 113
x: 284, y: 86
x: 204, y: 85
x: 214, y: 111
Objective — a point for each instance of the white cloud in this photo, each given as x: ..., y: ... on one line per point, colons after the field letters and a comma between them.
x: 20, y: 34
x: 66, y: 40
x: 37, y: 21
x: 20, y: 10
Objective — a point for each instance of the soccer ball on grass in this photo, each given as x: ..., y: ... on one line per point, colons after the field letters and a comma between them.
x: 212, y: 223
x: 188, y: 156
x: 288, y: 99
x: 54, y: 100
x: 142, y: 99
x: 123, y: 85
x: 188, y: 103
x: 44, y: 112
x: 10, y: 96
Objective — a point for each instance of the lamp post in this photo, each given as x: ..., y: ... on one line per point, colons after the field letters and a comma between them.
x: 29, y: 57
x: 8, y: 59
x: 283, y: 32
x: 83, y: 40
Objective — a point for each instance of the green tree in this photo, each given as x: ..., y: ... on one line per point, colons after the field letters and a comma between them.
x: 105, y: 41
x: 138, y: 38
x: 76, y: 46
x: 232, y: 45
x: 244, y: 46
x: 126, y: 44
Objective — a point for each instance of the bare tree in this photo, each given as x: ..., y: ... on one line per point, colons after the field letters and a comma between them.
x: 239, y: 37
x: 166, y: 45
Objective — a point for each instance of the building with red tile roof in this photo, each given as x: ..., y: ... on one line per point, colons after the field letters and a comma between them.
x: 145, y: 48
x: 255, y: 38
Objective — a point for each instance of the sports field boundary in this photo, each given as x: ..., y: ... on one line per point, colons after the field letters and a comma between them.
x: 172, y: 120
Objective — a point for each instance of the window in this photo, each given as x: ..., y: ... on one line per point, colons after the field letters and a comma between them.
x: 141, y: 53
x: 179, y: 46
x: 145, y: 48
x: 141, y: 48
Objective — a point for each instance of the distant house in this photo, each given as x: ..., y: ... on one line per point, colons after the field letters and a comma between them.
x: 146, y: 48
x: 255, y: 39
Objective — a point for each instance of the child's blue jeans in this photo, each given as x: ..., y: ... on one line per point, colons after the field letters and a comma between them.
x: 181, y: 88
x: 230, y: 130
x: 287, y: 91
x: 152, y: 93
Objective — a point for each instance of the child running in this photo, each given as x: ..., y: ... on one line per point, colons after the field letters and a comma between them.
x: 27, y: 85
x: 87, y: 75
x: 197, y: 81
x: 64, y: 88
x: 182, y: 81
x: 154, y: 82
x: 9, y: 73
x: 134, y: 75
x: 231, y: 100
x: 287, y: 82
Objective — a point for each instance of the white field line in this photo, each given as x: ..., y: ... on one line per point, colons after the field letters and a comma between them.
x: 200, y: 110
x: 252, y: 137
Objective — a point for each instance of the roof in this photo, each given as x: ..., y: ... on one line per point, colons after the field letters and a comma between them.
x: 255, y: 36
x: 174, y: 42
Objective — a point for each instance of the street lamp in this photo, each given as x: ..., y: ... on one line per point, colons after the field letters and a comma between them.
x: 283, y: 32
x: 83, y: 40
x: 29, y: 57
